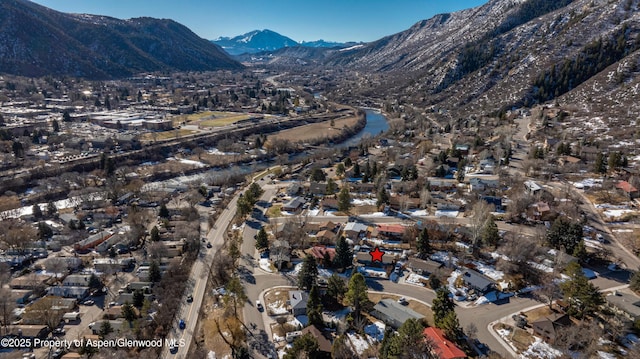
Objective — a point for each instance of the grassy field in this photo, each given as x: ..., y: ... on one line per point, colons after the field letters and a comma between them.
x: 314, y: 130
x: 223, y: 121
x: 166, y: 135
x: 274, y: 211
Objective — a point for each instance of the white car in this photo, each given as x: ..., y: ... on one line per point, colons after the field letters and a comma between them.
x: 259, y: 306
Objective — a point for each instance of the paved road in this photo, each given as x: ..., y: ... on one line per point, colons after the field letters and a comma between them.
x: 198, y: 282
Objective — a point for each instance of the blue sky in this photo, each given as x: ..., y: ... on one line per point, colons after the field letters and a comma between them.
x: 301, y: 20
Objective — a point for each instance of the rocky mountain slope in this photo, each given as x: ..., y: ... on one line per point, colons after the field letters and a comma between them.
x: 37, y: 41
x: 504, y: 54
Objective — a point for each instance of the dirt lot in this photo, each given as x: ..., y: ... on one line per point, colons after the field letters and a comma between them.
x: 313, y: 131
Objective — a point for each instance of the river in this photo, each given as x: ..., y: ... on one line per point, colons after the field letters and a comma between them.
x: 376, y: 123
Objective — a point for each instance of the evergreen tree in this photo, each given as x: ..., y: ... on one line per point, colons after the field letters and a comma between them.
x: 163, y: 212
x: 423, y: 245
x: 317, y: 175
x: 154, y: 272
x: 441, y: 306
x: 409, y: 342
x: 634, y: 282
x: 331, y: 186
x: 128, y: 313
x: 37, y: 212
x: 314, y: 308
x: 155, y: 234
x: 52, y: 210
x: 340, y: 169
x: 305, y: 346
x: 347, y: 162
x: 344, y: 255
x: 583, y: 297
x: 66, y: 116
x: 44, y: 230
x: 344, y: 200
x: 383, y: 196
x: 235, y: 296
x: 138, y: 298
x: 565, y: 234
x: 357, y: 295
x: 262, y: 239
x: 341, y: 348
x: 336, y: 287
x: 356, y: 170
x: 600, y: 166
x: 308, y: 274
x: 489, y: 234
x: 451, y: 327
x: 56, y: 126
x: 105, y: 329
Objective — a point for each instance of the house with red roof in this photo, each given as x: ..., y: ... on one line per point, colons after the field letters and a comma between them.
x: 628, y: 189
x: 321, y: 252
x: 442, y: 347
x: 394, y: 231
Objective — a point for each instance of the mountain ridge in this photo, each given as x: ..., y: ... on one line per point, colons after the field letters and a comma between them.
x: 258, y: 41
x: 37, y: 41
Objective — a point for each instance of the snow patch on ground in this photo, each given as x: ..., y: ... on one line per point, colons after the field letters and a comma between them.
x: 451, y: 214
x: 420, y: 212
x: 313, y: 212
x: 373, y: 272
x: 587, y: 183
x: 416, y: 279
x: 374, y: 214
x: 265, y: 265
x: 192, y: 162
x: 363, y: 202
x: 540, y: 350
x: 615, y: 213
x: 358, y: 343
x: 444, y: 257
x: 278, y: 307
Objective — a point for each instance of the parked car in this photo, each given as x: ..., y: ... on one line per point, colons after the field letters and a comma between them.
x: 173, y: 349
x: 189, y: 298
x: 403, y: 301
x: 182, y: 324
x: 209, y: 245
x: 259, y: 306
x: 89, y: 302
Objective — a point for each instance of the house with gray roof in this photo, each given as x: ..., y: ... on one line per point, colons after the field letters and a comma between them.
x: 477, y: 281
x: 69, y: 291
x: 298, y: 302
x: 394, y: 313
x: 625, y: 302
